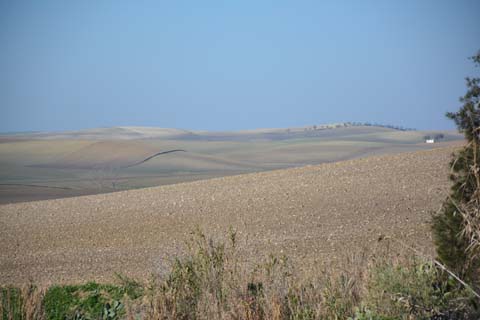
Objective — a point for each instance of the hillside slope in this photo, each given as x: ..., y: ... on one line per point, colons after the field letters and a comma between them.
x: 313, y: 214
x: 40, y: 166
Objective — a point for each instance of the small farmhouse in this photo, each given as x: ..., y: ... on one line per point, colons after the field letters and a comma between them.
x: 430, y: 141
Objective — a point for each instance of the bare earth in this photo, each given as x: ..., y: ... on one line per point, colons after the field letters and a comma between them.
x: 313, y: 214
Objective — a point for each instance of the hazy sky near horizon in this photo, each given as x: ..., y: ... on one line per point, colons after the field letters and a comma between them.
x: 229, y: 65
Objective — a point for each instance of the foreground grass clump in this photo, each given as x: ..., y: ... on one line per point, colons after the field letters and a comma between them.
x: 21, y: 303
x: 210, y: 283
x: 89, y: 301
x: 419, y: 290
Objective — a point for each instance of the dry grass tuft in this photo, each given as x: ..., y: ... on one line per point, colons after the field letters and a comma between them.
x: 210, y: 282
x: 25, y: 302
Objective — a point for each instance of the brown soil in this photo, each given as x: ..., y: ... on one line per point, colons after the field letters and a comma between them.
x: 313, y: 214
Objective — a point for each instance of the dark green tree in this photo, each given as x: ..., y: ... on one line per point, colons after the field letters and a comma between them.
x: 456, y: 228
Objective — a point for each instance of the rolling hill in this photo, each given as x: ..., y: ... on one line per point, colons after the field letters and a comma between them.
x: 35, y: 166
x: 314, y: 214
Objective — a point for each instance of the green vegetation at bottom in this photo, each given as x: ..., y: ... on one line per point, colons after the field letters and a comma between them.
x: 89, y: 301
x: 210, y: 283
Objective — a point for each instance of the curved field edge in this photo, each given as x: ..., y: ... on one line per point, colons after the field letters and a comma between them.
x: 311, y: 213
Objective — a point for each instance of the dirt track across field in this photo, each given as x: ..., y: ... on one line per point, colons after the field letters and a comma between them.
x: 312, y: 214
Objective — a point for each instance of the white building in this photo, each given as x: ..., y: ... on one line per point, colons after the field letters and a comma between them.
x: 430, y: 141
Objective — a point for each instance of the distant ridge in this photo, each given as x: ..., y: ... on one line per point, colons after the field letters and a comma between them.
x: 137, y: 133
x: 160, y: 131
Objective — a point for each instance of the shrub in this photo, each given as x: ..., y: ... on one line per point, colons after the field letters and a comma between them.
x: 456, y: 229
x: 339, y: 299
x: 418, y: 290
x: 88, y: 301
x: 198, y: 285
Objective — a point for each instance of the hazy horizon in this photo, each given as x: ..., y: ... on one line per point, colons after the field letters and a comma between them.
x: 233, y: 66
x: 219, y: 130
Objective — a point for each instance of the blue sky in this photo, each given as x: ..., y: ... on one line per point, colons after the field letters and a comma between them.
x: 228, y: 65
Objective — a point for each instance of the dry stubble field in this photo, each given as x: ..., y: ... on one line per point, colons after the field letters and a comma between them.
x: 314, y: 214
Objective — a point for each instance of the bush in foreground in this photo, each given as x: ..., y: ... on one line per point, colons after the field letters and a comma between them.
x: 456, y: 228
x: 210, y: 283
x: 419, y: 290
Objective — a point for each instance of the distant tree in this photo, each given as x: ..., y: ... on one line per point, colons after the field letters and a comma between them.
x: 427, y: 137
x: 456, y: 228
x: 439, y: 136
x: 314, y: 127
